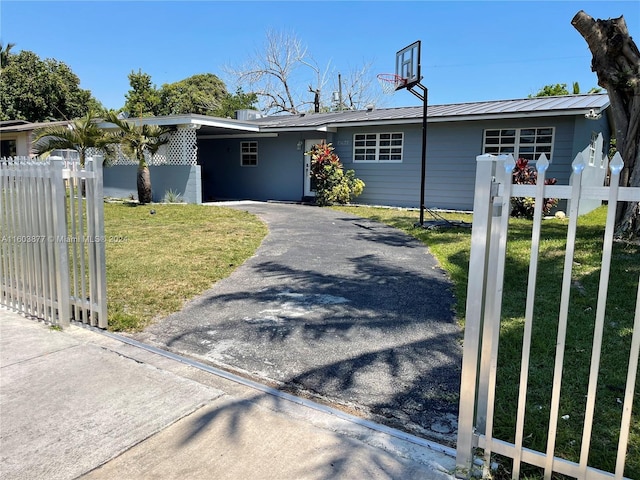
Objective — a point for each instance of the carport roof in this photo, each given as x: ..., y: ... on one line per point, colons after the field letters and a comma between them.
x: 205, y: 124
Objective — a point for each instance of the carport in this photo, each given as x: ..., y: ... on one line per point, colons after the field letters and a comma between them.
x: 178, y: 165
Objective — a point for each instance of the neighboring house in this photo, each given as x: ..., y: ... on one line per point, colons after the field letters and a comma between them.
x: 13, y: 139
x: 257, y: 158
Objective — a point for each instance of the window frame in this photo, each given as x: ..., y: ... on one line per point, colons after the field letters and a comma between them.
x: 377, y: 145
x: 518, y: 143
x: 245, y: 160
x: 593, y: 157
x: 10, y: 145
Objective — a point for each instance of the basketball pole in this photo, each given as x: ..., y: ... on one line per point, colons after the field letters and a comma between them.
x: 424, y: 97
x: 408, y: 76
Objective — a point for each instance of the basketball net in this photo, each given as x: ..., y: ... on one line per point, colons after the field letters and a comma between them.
x: 390, y: 82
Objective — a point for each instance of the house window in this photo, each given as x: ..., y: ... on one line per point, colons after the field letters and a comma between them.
x: 8, y: 148
x: 527, y: 143
x: 592, y: 148
x: 378, y: 147
x: 249, y: 154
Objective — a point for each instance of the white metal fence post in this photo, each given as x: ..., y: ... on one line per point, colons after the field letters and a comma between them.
x: 578, y: 168
x: 60, y: 234
x: 493, y: 305
x: 480, y: 234
x: 95, y: 208
x: 5, y: 245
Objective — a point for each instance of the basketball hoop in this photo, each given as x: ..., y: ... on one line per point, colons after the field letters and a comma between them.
x: 390, y: 82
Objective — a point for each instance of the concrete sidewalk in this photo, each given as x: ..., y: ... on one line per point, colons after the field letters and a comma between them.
x: 77, y: 403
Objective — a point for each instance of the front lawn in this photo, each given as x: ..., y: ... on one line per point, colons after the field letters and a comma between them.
x: 451, y: 246
x: 157, y: 261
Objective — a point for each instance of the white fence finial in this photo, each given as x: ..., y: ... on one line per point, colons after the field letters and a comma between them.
x: 509, y: 164
x: 616, y: 163
x: 578, y: 163
x: 542, y: 164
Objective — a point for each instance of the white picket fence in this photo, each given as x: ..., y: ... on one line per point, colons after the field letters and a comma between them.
x: 52, y: 241
x: 493, y: 193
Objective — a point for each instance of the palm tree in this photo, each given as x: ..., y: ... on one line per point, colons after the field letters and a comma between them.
x: 138, y: 140
x: 4, y: 54
x: 80, y: 135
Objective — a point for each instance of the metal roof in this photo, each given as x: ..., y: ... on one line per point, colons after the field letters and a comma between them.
x: 538, y: 106
x: 490, y: 110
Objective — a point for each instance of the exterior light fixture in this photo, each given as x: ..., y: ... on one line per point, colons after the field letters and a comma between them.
x: 592, y: 115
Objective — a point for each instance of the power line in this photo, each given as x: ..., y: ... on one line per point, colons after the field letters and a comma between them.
x: 507, y: 62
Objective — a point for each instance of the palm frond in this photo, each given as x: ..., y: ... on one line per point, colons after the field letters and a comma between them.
x: 80, y: 135
x: 136, y: 140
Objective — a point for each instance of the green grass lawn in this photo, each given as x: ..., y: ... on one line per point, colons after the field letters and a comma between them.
x: 451, y: 246
x: 156, y: 262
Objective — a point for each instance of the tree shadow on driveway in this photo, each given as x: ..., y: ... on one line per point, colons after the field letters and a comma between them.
x: 370, y: 336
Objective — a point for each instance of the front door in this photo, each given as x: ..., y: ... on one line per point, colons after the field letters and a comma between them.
x: 309, y: 183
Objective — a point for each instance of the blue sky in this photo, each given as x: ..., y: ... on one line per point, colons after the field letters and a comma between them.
x: 471, y: 50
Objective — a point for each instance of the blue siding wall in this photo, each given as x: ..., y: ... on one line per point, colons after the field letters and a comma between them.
x: 278, y: 175
x: 394, y: 184
x: 450, y: 166
x: 451, y: 169
x: 120, y: 182
x: 452, y: 148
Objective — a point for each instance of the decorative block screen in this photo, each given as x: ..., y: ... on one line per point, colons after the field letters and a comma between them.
x: 182, y: 149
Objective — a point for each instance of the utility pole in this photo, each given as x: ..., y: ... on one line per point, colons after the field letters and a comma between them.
x: 340, y: 91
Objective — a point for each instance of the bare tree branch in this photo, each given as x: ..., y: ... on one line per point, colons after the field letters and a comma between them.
x: 358, y: 87
x: 268, y: 72
x: 286, y: 78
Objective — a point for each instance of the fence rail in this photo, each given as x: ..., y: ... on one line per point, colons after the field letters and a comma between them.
x: 493, y: 194
x: 52, y: 242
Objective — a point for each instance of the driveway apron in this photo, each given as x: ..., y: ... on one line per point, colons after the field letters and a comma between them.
x: 341, y: 309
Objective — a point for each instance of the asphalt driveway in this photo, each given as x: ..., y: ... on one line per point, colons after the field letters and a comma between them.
x: 341, y: 309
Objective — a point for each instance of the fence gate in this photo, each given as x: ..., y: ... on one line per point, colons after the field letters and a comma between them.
x: 52, y: 243
x: 478, y: 402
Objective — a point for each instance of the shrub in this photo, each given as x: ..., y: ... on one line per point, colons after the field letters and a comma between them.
x: 333, y: 183
x: 523, y: 174
x: 171, y: 196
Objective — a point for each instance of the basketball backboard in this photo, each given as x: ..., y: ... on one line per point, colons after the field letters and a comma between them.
x: 408, y: 64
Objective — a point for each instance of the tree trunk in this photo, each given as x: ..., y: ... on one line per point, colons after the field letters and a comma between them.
x: 616, y: 61
x: 144, y: 185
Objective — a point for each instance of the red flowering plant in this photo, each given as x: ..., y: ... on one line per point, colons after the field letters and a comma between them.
x: 323, y: 161
x: 332, y: 183
x: 524, y: 174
